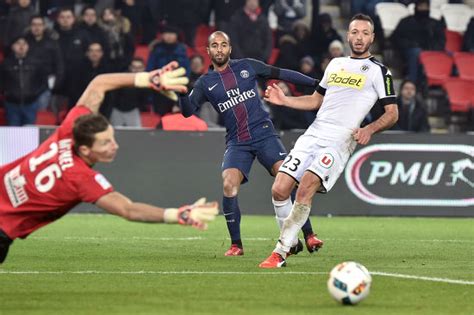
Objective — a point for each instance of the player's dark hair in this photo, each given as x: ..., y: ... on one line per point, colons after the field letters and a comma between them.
x: 85, y: 128
x: 363, y: 17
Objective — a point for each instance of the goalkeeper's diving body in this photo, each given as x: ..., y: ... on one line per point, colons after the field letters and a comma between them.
x: 45, y: 184
x: 231, y: 87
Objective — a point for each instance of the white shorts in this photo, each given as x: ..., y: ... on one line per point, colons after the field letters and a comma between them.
x: 324, y: 158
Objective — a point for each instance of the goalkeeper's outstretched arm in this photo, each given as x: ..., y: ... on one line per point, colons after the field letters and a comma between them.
x: 167, y: 79
x: 196, y: 215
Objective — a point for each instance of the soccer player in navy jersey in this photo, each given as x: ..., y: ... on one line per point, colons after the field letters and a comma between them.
x: 231, y: 87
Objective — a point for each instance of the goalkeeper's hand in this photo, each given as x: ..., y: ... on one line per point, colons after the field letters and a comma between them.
x: 168, y: 79
x: 198, y: 214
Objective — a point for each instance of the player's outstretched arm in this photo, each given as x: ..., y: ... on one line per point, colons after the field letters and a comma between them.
x: 275, y: 95
x: 270, y: 72
x: 196, y: 215
x: 387, y: 120
x: 167, y: 79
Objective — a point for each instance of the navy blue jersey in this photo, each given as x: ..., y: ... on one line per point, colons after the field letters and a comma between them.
x: 233, y: 94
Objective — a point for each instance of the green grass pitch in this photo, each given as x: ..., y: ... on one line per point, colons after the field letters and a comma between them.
x: 99, y: 264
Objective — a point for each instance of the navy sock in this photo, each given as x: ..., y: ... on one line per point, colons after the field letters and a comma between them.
x: 307, y: 227
x: 230, y: 206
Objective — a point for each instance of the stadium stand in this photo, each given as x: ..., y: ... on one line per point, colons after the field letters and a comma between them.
x: 437, y: 66
x: 435, y: 8
x: 390, y: 14
x: 453, y: 41
x: 3, y: 120
x: 46, y: 118
x: 150, y: 119
x: 202, y: 33
x: 465, y: 64
x: 457, y: 16
x: 177, y: 122
x: 142, y: 51
x: 459, y: 94
x: 273, y: 56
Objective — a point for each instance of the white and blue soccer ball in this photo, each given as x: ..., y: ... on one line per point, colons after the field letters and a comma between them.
x: 349, y: 283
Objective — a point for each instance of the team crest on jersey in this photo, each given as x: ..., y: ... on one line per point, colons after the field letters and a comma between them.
x: 102, y: 181
x: 244, y: 74
x: 326, y: 160
x: 364, y: 68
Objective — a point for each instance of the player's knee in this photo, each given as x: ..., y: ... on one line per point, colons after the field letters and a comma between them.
x: 231, y: 189
x: 280, y: 192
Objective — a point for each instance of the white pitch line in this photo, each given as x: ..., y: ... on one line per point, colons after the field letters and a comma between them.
x: 240, y: 273
x: 253, y: 239
x: 398, y: 275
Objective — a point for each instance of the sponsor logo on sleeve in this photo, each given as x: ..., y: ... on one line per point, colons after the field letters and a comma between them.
x: 102, y: 181
x: 388, y: 83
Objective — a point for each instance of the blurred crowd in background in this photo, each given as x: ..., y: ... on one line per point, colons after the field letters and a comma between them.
x: 50, y: 51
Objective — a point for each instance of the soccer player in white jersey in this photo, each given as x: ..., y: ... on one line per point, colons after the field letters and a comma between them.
x: 348, y: 90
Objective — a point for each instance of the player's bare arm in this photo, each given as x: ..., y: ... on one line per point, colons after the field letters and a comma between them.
x: 275, y: 95
x: 387, y: 120
x: 197, y: 215
x: 168, y: 79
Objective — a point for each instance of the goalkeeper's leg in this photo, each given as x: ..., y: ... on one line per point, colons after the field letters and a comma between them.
x: 5, y: 243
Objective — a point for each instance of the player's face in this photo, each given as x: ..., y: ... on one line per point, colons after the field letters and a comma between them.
x: 219, y: 50
x: 360, y: 36
x: 104, y: 148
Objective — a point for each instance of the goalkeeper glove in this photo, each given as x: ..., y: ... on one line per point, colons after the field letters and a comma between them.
x: 167, y: 78
x: 196, y: 215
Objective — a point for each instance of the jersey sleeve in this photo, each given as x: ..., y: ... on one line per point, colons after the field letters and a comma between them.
x: 262, y: 69
x: 92, y: 186
x: 323, y: 84
x: 191, y: 103
x: 384, y: 87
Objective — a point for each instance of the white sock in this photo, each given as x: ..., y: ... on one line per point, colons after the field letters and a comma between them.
x: 282, y: 210
x: 291, y: 225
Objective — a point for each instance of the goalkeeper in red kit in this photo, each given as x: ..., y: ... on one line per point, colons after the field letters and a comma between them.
x: 45, y: 184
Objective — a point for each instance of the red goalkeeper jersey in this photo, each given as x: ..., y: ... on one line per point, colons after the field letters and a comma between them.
x: 45, y: 184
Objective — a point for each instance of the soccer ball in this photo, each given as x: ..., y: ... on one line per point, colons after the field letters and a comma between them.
x: 349, y: 283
